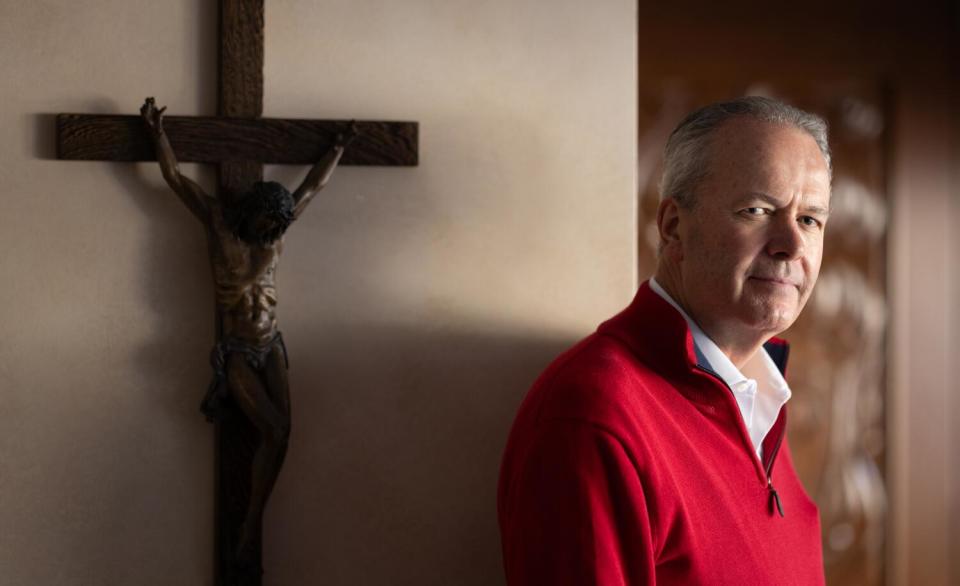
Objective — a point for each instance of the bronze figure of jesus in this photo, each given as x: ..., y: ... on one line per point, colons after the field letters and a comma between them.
x: 249, y: 360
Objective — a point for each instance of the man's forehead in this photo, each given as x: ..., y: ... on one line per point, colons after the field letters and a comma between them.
x: 750, y: 156
x: 745, y: 139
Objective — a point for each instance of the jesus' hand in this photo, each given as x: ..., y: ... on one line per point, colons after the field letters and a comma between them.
x: 345, y: 138
x: 152, y: 116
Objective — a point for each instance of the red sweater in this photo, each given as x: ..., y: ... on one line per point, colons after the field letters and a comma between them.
x: 630, y: 464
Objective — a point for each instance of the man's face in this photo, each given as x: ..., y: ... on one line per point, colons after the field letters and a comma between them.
x: 750, y: 247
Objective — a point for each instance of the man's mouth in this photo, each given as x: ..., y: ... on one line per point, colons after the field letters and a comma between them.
x: 776, y: 281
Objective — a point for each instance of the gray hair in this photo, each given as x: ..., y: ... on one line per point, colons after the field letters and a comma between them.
x: 685, y: 158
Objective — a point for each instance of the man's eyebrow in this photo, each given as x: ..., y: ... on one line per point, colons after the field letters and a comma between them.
x: 817, y: 210
x: 811, y: 209
x: 751, y: 195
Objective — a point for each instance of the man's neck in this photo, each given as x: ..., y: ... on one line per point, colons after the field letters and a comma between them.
x: 737, y: 345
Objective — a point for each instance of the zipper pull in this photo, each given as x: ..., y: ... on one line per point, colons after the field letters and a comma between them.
x: 774, y: 498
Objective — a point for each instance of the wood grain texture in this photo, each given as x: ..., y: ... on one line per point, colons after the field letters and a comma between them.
x: 240, y: 97
x: 96, y: 137
x: 241, y: 58
x: 235, y: 179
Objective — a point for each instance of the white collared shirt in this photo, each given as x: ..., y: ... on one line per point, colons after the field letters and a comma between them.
x: 760, y: 397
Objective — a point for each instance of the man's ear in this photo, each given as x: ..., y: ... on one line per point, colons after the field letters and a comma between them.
x: 668, y: 224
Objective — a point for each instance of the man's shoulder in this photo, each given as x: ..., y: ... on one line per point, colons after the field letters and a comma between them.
x: 594, y: 381
x: 598, y: 357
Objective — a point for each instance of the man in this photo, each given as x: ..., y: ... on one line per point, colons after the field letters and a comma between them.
x: 653, y: 452
x: 249, y: 359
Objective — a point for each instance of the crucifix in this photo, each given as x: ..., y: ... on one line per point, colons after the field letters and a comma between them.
x: 244, y: 222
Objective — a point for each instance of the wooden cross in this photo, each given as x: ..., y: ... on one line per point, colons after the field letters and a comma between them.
x: 240, y: 142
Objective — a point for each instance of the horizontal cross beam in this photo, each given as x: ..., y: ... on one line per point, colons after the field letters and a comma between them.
x: 197, y: 139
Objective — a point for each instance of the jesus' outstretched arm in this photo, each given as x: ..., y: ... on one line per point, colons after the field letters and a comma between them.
x: 322, y: 170
x: 191, y: 194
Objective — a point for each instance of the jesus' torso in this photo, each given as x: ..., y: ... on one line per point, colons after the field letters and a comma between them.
x: 244, y: 279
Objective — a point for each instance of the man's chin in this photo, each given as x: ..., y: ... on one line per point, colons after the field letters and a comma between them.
x: 772, y: 317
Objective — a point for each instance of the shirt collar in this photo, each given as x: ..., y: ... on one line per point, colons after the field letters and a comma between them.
x: 760, y: 367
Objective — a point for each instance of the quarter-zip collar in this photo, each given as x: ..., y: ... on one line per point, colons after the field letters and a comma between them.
x: 759, y: 388
x: 673, y: 352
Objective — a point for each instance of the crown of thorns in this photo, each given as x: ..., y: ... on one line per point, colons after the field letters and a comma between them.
x: 265, y: 198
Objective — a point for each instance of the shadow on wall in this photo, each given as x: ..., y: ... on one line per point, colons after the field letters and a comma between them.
x: 392, y: 472
x: 44, y: 146
x: 178, y: 289
x: 398, y: 429
x: 174, y: 276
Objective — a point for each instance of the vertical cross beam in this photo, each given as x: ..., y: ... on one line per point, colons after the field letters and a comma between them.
x: 240, y: 91
x: 241, y: 82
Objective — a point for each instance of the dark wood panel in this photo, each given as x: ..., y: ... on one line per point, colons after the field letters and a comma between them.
x: 236, y: 178
x: 240, y: 97
x: 241, y: 58
x: 108, y: 137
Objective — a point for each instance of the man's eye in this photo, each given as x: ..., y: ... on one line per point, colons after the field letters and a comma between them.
x: 809, y: 221
x: 754, y: 211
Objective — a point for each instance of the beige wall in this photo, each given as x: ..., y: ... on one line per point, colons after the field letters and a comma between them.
x: 417, y: 303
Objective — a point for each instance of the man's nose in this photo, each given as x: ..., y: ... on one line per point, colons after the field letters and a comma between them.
x: 786, y: 240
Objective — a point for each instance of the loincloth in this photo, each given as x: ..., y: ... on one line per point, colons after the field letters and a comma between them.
x: 214, y: 404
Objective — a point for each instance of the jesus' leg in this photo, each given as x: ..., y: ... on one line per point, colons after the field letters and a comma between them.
x: 275, y: 375
x: 252, y: 397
